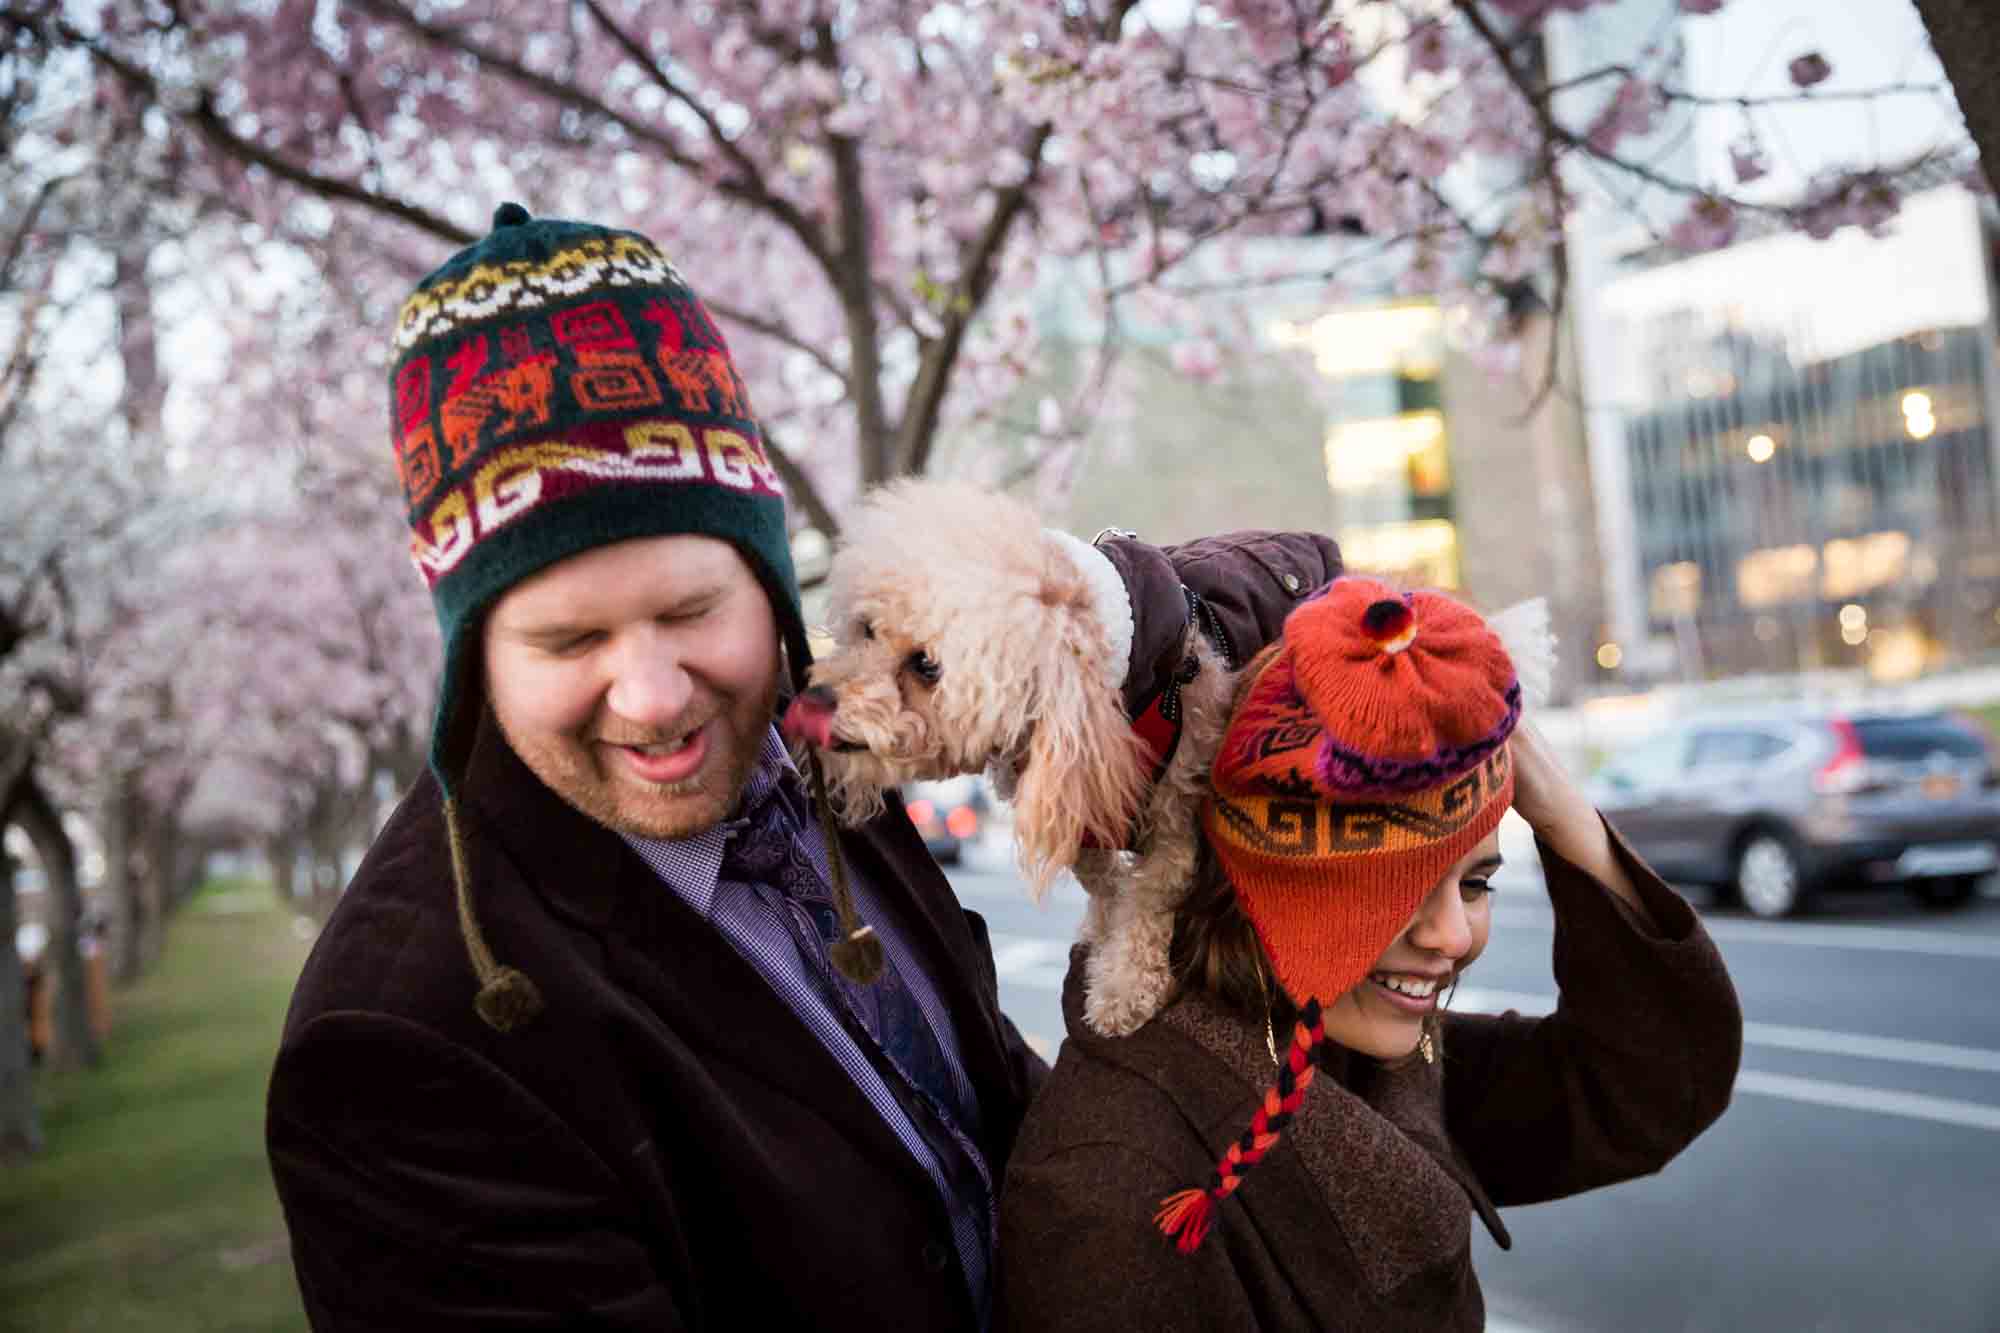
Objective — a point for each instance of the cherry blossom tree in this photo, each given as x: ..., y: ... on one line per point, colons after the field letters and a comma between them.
x: 864, y: 191
x: 213, y: 207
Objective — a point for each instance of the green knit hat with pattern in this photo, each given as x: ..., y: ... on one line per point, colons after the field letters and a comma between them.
x: 557, y: 387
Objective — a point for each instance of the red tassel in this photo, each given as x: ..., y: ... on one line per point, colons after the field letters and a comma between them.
x: 1187, y: 1213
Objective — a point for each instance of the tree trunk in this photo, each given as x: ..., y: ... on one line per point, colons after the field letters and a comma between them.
x: 145, y: 392
x: 20, y: 1128
x: 124, y: 956
x: 72, y: 1043
x: 1966, y: 36
x: 157, y: 881
x: 283, y: 855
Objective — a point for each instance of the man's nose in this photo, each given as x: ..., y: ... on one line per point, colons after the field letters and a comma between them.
x: 1441, y: 925
x: 650, y: 683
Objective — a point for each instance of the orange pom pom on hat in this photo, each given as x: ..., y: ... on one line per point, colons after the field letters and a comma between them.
x: 1365, y: 758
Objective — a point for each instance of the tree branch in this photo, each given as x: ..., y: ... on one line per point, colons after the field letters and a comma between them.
x: 753, y: 188
x: 925, y: 403
x: 1966, y: 36
x: 778, y: 332
x: 799, y: 487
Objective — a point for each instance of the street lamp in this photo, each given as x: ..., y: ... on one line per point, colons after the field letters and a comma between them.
x: 1760, y: 448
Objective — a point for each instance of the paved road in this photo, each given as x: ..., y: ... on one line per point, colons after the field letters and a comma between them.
x: 1853, y: 1185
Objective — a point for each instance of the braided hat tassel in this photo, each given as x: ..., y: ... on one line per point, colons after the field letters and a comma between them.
x: 1184, y: 1217
x: 507, y: 996
x: 858, y: 951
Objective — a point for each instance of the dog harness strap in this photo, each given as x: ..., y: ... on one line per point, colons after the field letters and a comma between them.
x: 1159, y: 723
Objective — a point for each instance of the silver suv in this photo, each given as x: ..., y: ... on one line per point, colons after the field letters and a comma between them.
x: 1775, y: 808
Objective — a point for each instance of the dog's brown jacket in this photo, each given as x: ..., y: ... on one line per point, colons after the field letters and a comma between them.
x: 1361, y: 1217
x: 1250, y: 580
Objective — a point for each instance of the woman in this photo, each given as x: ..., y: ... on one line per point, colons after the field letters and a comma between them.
x: 1344, y: 888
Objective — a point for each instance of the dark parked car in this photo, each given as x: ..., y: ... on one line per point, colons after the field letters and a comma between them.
x: 949, y: 813
x: 1775, y: 808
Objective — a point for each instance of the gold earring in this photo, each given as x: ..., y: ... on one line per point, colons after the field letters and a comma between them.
x: 1270, y: 1037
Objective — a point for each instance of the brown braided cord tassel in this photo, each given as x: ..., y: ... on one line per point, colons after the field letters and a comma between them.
x: 507, y: 997
x: 858, y: 951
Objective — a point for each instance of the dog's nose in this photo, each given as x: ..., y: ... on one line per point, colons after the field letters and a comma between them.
x: 821, y: 697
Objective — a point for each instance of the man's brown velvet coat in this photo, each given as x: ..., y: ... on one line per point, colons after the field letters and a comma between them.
x: 1360, y: 1219
x: 667, y: 1146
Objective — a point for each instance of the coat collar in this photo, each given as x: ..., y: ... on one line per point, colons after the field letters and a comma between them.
x: 1368, y: 1145
x: 591, y: 876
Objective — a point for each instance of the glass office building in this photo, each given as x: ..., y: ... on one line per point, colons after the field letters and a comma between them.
x: 1809, y: 432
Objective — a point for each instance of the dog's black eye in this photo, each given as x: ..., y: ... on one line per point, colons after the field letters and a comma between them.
x: 923, y: 668
x: 867, y: 630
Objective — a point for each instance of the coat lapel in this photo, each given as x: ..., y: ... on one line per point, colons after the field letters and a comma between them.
x: 657, y: 949
x: 1361, y: 1164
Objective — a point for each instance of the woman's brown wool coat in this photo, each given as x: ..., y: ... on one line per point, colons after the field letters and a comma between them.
x: 1361, y: 1218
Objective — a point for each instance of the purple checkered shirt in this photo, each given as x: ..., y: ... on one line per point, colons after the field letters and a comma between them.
x: 691, y: 867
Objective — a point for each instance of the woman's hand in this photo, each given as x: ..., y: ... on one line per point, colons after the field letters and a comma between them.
x: 1562, y: 816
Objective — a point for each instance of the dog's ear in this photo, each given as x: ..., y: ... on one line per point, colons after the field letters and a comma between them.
x: 1085, y: 774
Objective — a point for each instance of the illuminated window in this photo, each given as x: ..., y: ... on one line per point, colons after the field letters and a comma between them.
x: 1852, y: 566
x: 1405, y: 451
x: 1775, y: 575
x: 1397, y: 339
x: 1676, y: 589
x: 1423, y: 552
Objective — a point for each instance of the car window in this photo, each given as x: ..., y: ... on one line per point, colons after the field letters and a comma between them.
x: 1763, y: 745
x: 1915, y: 739
x: 1650, y: 762
x: 1722, y: 749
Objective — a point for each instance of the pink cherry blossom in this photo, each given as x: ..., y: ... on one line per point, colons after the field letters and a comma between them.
x: 1632, y: 111
x: 1197, y: 359
x: 1809, y: 69
x: 1747, y: 161
x: 1708, y: 224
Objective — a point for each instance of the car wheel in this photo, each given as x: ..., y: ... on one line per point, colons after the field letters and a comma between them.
x: 1944, y: 894
x: 1768, y: 880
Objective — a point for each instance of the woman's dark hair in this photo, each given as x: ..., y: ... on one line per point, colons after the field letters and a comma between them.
x: 1216, y: 952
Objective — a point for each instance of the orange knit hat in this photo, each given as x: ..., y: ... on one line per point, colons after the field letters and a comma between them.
x: 1366, y: 756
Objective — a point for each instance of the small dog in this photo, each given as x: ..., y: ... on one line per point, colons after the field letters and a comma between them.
x: 969, y: 638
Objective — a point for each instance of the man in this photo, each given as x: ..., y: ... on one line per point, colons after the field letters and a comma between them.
x: 608, y: 1031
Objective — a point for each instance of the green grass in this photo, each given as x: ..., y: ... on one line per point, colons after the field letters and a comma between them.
x: 150, y: 1206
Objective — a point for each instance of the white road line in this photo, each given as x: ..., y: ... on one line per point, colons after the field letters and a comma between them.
x: 1027, y: 964
x: 1779, y: 1036
x: 1912, y: 1105
x: 1035, y: 962
x: 1880, y: 938
x: 1494, y: 1325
